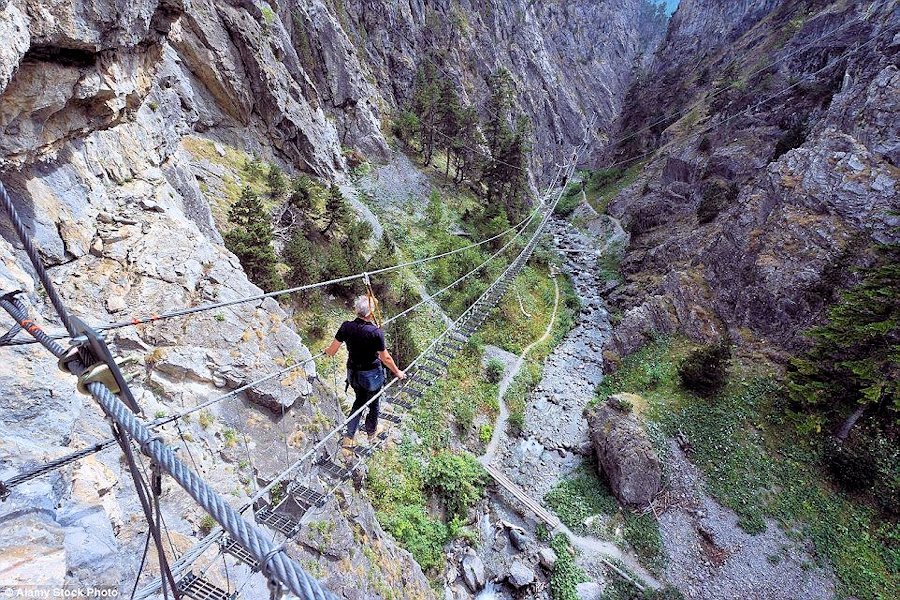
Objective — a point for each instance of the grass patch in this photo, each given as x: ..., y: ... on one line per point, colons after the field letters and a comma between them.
x: 602, y: 185
x: 756, y: 463
x: 242, y: 170
x: 463, y: 394
x: 566, y: 575
x: 609, y: 263
x: 586, y: 505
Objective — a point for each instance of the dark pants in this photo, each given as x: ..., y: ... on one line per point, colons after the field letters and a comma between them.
x: 365, y: 384
x: 363, y: 396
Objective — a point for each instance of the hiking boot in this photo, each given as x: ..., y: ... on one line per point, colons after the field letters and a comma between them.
x: 373, y: 437
x: 347, y: 447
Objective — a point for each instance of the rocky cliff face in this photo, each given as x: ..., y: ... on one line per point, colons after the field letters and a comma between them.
x: 776, y: 168
x: 98, y: 102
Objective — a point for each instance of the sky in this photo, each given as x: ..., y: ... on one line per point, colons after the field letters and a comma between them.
x: 671, y: 5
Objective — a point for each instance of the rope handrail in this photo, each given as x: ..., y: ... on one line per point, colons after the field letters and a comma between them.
x: 29, y: 474
x: 286, y: 291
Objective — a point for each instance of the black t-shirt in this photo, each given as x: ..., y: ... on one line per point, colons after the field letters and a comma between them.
x: 364, y: 341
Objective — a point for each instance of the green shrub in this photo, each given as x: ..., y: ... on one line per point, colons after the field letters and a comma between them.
x: 485, y: 433
x: 705, y: 370
x: 318, y: 325
x: 268, y: 16
x: 206, y: 524
x: 463, y: 411
x: 416, y: 531
x: 542, y: 533
x: 493, y: 371
x: 458, y: 479
x: 276, y: 494
x: 566, y: 575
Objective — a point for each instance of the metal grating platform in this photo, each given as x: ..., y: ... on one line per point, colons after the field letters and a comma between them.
x: 307, y: 498
x: 233, y: 548
x: 277, y: 521
x: 334, y: 470
x: 194, y: 586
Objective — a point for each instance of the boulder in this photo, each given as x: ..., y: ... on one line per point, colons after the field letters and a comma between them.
x: 589, y: 590
x: 473, y: 572
x: 518, y: 538
x: 548, y: 557
x: 624, y: 453
x: 520, y: 575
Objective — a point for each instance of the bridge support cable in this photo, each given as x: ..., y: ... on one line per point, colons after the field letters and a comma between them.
x: 280, y: 567
x: 8, y: 339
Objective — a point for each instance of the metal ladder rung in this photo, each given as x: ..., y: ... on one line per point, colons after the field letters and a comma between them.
x: 420, y: 379
x: 334, y: 470
x: 446, y: 354
x: 400, y: 402
x: 278, y: 522
x: 431, y: 371
x: 232, y: 547
x: 438, y: 361
x: 392, y: 418
x: 411, y: 391
x: 194, y: 586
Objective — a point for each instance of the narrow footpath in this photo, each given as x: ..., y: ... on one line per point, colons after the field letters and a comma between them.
x: 554, y: 438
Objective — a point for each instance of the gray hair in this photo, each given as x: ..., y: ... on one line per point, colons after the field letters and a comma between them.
x: 363, y: 307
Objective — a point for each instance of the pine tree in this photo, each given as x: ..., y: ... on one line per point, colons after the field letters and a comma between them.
x: 302, y: 259
x: 854, y: 364
x: 426, y: 97
x: 276, y: 183
x: 337, y: 208
x: 515, y: 158
x: 251, y: 240
x: 406, y: 127
x: 466, y: 141
x: 448, y: 118
x: 301, y: 196
x: 501, y: 141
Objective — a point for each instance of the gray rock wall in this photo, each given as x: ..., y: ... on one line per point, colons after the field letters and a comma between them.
x: 782, y: 243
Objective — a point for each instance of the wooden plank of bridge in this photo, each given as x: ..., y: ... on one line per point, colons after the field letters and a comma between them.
x: 519, y: 494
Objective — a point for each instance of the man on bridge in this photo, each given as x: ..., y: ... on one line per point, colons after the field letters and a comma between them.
x: 367, y: 358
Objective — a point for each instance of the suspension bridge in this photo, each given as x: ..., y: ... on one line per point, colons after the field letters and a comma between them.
x: 310, y: 480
